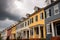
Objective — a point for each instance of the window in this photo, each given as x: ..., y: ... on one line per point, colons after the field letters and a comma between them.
x: 48, y: 2
x: 48, y: 13
x: 56, y: 9
x: 41, y: 16
x: 45, y: 14
x: 22, y: 25
x: 25, y: 23
x: 37, y: 30
x: 36, y: 18
x: 31, y: 31
x: 49, y: 29
x: 28, y: 22
x: 18, y: 26
x: 32, y: 20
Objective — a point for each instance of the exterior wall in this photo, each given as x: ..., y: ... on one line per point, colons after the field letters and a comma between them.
x: 35, y: 23
x: 51, y: 18
x: 40, y: 21
x: 13, y: 32
x: 4, y: 35
x: 9, y: 33
x: 48, y: 2
x: 19, y: 31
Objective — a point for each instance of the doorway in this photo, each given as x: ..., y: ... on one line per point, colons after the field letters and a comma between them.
x: 57, y: 28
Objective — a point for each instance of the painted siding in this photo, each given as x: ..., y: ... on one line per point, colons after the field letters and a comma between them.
x: 51, y: 18
x: 13, y: 32
x: 28, y: 27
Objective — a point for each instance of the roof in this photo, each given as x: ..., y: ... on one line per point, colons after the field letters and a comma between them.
x: 33, y: 13
x: 54, y: 3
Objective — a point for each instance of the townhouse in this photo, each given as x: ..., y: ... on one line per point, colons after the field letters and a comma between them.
x: 9, y: 33
x: 42, y: 24
x: 4, y: 34
x: 52, y: 20
x: 32, y: 27
x: 13, y: 32
x: 19, y: 29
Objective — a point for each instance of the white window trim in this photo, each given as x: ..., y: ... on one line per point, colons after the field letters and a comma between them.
x: 48, y: 28
x: 48, y: 2
x: 41, y: 16
x: 56, y: 8
x: 47, y: 13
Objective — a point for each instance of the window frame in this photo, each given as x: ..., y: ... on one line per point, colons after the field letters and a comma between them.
x: 56, y: 7
x: 31, y: 31
x: 37, y: 30
x: 41, y: 16
x: 36, y: 18
x: 49, y: 28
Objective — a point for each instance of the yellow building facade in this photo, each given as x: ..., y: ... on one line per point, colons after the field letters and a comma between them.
x: 34, y: 26
x: 38, y: 25
x: 13, y: 32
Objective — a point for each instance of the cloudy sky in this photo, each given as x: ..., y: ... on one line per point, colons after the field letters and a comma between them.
x: 13, y: 10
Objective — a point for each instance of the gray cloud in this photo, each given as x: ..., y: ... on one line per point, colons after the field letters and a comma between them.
x: 14, y: 11
x: 11, y: 10
x: 4, y: 14
x: 6, y: 23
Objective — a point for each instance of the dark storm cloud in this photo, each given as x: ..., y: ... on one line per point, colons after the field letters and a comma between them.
x: 2, y: 4
x: 4, y: 14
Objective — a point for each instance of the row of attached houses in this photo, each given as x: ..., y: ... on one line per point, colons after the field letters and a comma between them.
x: 4, y: 34
x: 33, y: 26
x: 9, y: 33
x: 52, y: 20
x: 44, y: 23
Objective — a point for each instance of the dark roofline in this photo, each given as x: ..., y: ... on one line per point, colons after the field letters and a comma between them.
x: 36, y: 12
x: 51, y: 4
x: 40, y: 9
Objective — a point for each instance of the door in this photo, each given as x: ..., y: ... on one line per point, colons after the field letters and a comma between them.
x: 28, y: 34
x: 41, y: 31
x: 58, y: 29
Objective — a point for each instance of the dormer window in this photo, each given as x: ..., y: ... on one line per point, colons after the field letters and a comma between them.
x: 28, y: 15
x: 36, y: 8
x: 50, y: 1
